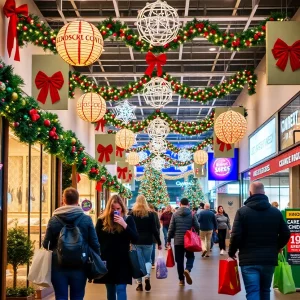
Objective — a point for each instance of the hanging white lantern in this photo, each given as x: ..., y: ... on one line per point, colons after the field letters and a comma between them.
x: 158, y: 163
x: 133, y: 158
x: 157, y: 92
x: 142, y: 155
x: 184, y: 155
x: 158, y: 23
x: 200, y: 157
x: 158, y: 128
x: 158, y: 146
x: 125, y: 138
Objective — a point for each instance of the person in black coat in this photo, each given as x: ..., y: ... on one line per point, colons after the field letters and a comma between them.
x: 259, y: 232
x: 115, y: 232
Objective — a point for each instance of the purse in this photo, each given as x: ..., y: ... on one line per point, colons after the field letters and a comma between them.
x: 192, y: 241
x: 96, y: 268
x: 137, y: 262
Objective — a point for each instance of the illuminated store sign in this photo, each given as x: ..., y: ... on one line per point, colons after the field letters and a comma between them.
x: 263, y: 143
x: 289, y: 122
x: 183, y: 183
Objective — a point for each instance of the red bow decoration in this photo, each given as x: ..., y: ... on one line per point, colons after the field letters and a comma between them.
x: 78, y: 178
x: 129, y: 176
x: 122, y: 172
x: 282, y: 52
x: 153, y: 61
x: 34, y: 115
x: 53, y: 134
x: 223, y: 146
x: 100, y: 125
x: 54, y: 83
x: 99, y: 185
x: 104, y: 152
x: 119, y: 151
x: 11, y: 11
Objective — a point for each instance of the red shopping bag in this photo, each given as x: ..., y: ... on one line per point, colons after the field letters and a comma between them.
x: 192, y: 241
x: 170, y: 263
x: 229, y: 278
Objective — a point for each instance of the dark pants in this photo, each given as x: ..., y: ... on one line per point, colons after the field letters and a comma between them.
x: 116, y: 291
x: 222, y: 238
x: 165, y: 232
x: 257, y: 280
x: 179, y: 258
x: 63, y: 279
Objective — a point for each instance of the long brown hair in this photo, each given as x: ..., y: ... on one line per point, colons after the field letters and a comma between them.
x: 140, y: 207
x: 108, y: 221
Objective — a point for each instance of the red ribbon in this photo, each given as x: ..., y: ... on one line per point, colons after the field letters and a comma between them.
x: 11, y: 11
x: 223, y: 146
x: 34, y: 115
x: 282, y: 52
x: 100, y: 125
x: 54, y: 83
x: 122, y: 172
x: 119, y: 151
x: 78, y: 178
x: 104, y: 152
x: 129, y: 176
x: 99, y: 185
x: 157, y: 61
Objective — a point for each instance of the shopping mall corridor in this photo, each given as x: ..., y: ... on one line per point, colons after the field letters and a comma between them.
x: 205, y: 285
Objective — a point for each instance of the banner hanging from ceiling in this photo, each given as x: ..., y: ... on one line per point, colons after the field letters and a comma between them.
x: 105, y: 149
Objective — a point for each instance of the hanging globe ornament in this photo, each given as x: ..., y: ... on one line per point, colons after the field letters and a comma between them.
x: 158, y: 23
x: 158, y: 146
x: 142, y: 155
x: 157, y: 92
x: 133, y: 158
x: 184, y: 155
x: 125, y: 138
x: 158, y: 128
x: 200, y: 157
x: 158, y: 163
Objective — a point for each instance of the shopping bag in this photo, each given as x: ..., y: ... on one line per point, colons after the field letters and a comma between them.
x: 277, y: 272
x: 40, y: 270
x: 96, y: 268
x: 170, y: 262
x: 161, y: 268
x: 286, y: 284
x: 192, y: 241
x: 215, y: 238
x: 137, y: 262
x: 229, y: 279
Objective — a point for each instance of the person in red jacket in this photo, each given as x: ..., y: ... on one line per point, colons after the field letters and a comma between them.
x: 165, y: 220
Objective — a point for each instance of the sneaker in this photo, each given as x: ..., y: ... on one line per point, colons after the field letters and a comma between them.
x: 139, y: 287
x: 147, y: 284
x: 188, y: 277
x: 153, y: 266
x: 222, y: 252
x: 204, y: 253
x: 181, y: 283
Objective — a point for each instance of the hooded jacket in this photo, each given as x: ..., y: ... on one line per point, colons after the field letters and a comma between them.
x: 258, y: 232
x: 181, y: 221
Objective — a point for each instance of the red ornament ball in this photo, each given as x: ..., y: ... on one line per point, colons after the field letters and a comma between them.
x: 47, y: 123
x: 16, y: 124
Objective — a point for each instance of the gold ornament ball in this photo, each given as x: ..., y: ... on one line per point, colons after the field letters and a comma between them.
x: 230, y: 127
x: 125, y: 138
x: 14, y: 96
x: 23, y: 102
x: 133, y: 158
x: 73, y: 141
x: 200, y: 157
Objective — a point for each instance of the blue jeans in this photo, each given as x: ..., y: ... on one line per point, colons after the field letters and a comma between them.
x: 62, y: 279
x: 116, y: 291
x: 147, y: 251
x: 153, y: 253
x: 257, y: 280
x: 165, y: 232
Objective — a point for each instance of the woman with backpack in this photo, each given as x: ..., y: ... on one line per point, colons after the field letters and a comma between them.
x: 223, y: 223
x: 68, y: 265
x: 115, y: 232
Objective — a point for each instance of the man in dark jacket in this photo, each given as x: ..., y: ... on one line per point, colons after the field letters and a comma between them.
x: 182, y: 220
x: 259, y: 232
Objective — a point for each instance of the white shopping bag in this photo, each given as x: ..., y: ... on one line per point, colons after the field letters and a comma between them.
x: 40, y: 270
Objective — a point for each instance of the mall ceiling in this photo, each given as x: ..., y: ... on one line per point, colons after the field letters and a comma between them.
x: 193, y: 63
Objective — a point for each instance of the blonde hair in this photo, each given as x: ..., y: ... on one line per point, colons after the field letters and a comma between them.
x: 108, y: 222
x: 140, y: 207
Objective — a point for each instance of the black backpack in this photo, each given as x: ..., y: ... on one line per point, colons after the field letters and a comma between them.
x: 71, y: 247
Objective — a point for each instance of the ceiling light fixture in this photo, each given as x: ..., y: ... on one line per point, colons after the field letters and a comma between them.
x: 212, y: 49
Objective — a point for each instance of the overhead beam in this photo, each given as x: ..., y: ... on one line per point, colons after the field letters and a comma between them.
x: 175, y: 107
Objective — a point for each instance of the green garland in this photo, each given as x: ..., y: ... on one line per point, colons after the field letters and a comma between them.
x: 32, y: 29
x: 32, y: 125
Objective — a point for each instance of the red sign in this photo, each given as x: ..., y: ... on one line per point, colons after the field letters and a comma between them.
x: 293, y: 245
x: 284, y: 161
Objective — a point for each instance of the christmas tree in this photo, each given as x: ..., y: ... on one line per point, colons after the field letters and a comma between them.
x: 154, y: 187
x: 193, y: 192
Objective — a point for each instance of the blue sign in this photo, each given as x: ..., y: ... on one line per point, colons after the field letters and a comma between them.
x: 223, y: 169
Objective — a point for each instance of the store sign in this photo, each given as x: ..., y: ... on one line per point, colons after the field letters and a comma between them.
x: 223, y: 169
x: 284, y: 161
x: 183, y: 183
x: 86, y: 205
x: 293, y: 246
x: 263, y: 143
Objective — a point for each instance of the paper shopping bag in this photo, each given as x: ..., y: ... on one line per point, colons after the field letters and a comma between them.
x: 229, y: 279
x: 170, y: 263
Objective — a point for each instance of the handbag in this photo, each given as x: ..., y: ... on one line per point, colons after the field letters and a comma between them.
x: 229, y: 278
x: 137, y: 262
x: 40, y: 270
x: 161, y: 268
x: 96, y: 268
x: 170, y: 262
x: 286, y: 284
x: 215, y: 238
x: 192, y: 241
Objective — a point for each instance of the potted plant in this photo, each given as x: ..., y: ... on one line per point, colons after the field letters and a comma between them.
x: 20, y: 251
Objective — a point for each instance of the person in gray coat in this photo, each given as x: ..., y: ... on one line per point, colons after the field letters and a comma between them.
x: 182, y: 221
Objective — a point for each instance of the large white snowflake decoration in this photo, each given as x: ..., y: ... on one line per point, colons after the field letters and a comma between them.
x: 158, y: 163
x: 125, y: 112
x: 158, y: 146
x: 158, y: 128
x: 184, y: 155
x: 143, y: 155
x: 158, y: 23
x: 157, y: 92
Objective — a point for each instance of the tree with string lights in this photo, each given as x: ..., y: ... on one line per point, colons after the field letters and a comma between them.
x: 193, y: 192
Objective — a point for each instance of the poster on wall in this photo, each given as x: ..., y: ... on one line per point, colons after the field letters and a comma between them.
x: 293, y: 246
x: 282, y: 52
x: 105, y: 146
x: 50, y: 82
x: 199, y: 171
x: 123, y: 171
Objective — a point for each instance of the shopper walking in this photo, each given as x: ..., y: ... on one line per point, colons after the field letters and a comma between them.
x: 115, y: 232
x: 259, y: 233
x: 223, y: 224
x: 182, y: 220
x: 208, y: 223
x: 64, y: 278
x: 165, y: 220
x: 147, y: 228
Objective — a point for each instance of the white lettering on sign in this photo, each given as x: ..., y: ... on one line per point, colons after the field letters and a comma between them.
x: 289, y: 122
x: 289, y: 159
x: 183, y: 183
x: 261, y: 170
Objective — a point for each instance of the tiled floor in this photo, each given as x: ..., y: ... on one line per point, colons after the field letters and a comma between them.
x: 205, y: 285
